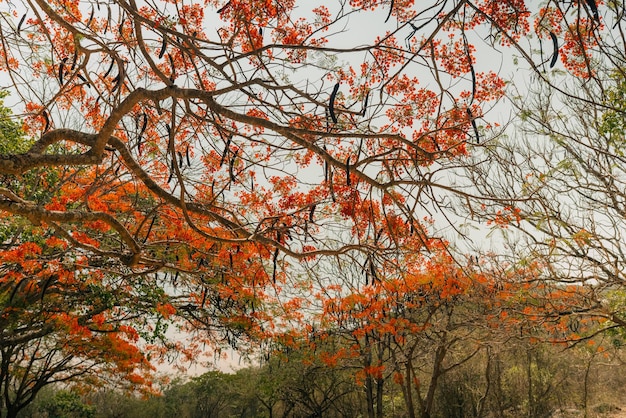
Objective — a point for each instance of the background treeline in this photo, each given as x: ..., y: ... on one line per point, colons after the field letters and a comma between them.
x: 516, y: 379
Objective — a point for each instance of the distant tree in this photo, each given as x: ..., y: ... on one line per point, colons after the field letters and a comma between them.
x: 65, y: 404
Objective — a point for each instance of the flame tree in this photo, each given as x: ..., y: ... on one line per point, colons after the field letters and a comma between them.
x: 206, y: 154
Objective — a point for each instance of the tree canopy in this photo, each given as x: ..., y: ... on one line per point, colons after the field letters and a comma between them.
x: 268, y: 174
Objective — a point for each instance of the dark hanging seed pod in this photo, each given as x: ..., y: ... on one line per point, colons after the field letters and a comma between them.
x: 473, y: 74
x: 594, y: 9
x: 390, y: 10
x: 149, y: 229
x: 144, y: 124
x: 19, y: 25
x: 74, y: 60
x: 118, y: 80
x: 275, y: 262
x: 163, y: 47
x: 367, y: 97
x: 331, y: 104
x: 226, y: 150
x: 171, y: 172
x: 221, y: 9
x: 555, y: 54
x: 62, y: 70
x: 173, y: 65
x: 47, y: 120
x: 91, y: 16
x: 474, y: 126
x: 108, y: 71
x: 108, y: 22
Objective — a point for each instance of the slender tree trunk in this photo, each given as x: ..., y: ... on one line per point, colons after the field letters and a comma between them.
x: 407, y: 383
x: 586, y: 388
x: 529, y: 376
x: 483, y: 399
x: 498, y: 388
x: 408, y: 394
x: 369, y: 384
x: 440, y: 354
x: 379, y: 383
x: 369, y: 393
x: 379, y: 397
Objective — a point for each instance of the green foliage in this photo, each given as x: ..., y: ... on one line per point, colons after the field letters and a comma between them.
x: 58, y: 403
x: 613, y: 122
x: 12, y: 139
x: 33, y: 185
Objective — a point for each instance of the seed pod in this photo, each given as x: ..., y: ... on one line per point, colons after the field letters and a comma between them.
x: 144, y: 124
x: 373, y: 272
x: 171, y: 172
x: 367, y: 97
x: 331, y: 104
x: 326, y: 166
x: 108, y: 71
x: 173, y: 75
x: 118, y: 80
x: 221, y: 9
x: 62, y: 70
x: 19, y: 25
x: 74, y: 60
x: 47, y: 120
x: 474, y: 126
x: 594, y: 9
x: 108, y: 22
x: 555, y: 54
x: 163, y: 47
x: 149, y: 229
x: 275, y: 261
x: 187, y: 155
x: 390, y: 10
x: 473, y: 74
x: 91, y: 16
x: 226, y: 150
x: 348, y: 181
